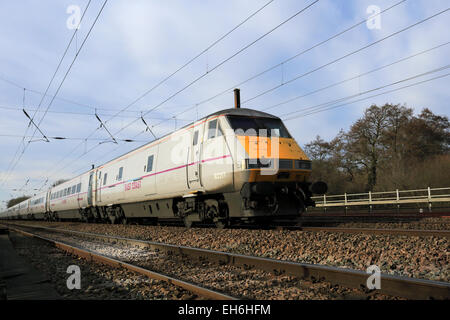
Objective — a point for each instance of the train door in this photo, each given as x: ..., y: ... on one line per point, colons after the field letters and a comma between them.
x: 98, y: 192
x: 193, y: 165
x: 89, y: 194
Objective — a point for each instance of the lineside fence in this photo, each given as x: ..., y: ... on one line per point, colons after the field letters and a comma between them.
x: 393, y: 199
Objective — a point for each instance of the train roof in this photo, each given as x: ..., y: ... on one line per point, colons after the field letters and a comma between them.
x: 232, y: 111
x: 242, y: 112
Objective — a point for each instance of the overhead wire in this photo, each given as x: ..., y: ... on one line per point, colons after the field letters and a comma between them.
x: 355, y: 77
x: 329, y: 63
x: 173, y: 73
x: 325, y: 105
x: 230, y: 89
x: 61, y: 83
x: 13, y: 160
x: 345, y: 56
x: 215, y: 67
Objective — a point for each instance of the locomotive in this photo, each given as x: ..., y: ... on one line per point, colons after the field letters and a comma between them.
x: 233, y: 166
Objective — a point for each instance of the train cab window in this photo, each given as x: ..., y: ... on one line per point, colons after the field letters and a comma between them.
x: 212, y: 126
x: 119, y: 176
x: 74, y: 188
x: 219, y: 130
x: 65, y: 192
x: 104, y: 178
x: 78, y: 188
x: 252, y: 126
x: 150, y: 164
x: 68, y: 190
x: 195, y: 139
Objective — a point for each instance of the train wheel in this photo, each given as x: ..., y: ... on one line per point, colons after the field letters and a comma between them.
x: 187, y: 222
x: 221, y: 224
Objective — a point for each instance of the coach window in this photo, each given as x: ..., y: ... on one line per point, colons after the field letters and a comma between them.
x: 74, y: 188
x: 150, y: 164
x: 78, y: 188
x: 104, y: 178
x: 212, y: 126
x: 195, y: 139
x: 119, y: 177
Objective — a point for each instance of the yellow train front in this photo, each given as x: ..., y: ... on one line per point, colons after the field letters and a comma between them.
x: 271, y: 171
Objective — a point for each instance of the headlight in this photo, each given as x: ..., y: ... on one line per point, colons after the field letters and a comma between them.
x: 268, y: 163
x: 303, y: 164
x: 257, y: 163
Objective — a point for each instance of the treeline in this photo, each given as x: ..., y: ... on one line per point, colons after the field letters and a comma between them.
x: 388, y: 148
x: 13, y: 202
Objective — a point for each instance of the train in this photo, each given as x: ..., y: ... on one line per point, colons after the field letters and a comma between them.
x: 233, y: 166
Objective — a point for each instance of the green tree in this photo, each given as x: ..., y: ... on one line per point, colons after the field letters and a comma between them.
x: 13, y: 202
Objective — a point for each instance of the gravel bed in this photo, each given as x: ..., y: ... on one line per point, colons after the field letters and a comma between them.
x: 419, y: 257
x: 424, y: 224
x: 237, y: 282
x: 98, y: 281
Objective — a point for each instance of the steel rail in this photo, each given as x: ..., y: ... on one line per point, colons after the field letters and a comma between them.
x: 410, y: 288
x: 92, y: 256
x: 407, y: 232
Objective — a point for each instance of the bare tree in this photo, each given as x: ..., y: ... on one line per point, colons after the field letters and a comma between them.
x: 387, y: 148
x: 365, y: 141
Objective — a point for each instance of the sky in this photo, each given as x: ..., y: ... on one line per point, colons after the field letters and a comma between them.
x: 134, y: 45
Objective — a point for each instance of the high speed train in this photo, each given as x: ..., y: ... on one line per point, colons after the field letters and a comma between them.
x: 234, y: 166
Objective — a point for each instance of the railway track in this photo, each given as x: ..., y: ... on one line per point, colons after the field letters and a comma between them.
x: 396, y: 286
x: 405, y: 232
x: 96, y: 257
